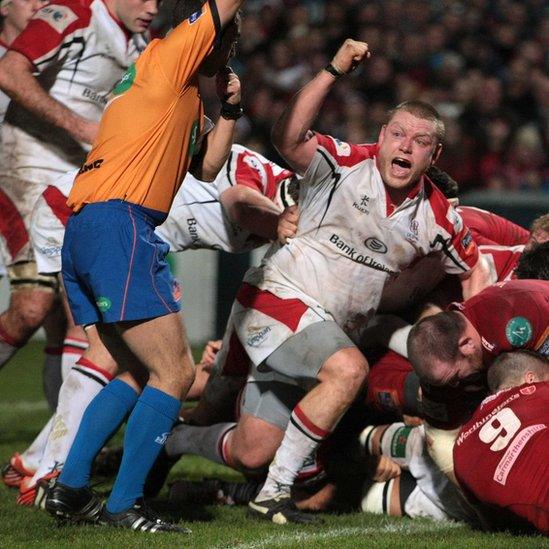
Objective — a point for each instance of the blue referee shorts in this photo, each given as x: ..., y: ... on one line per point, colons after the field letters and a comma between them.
x: 114, y: 264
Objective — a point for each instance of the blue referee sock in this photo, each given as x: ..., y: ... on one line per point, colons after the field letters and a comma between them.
x: 148, y: 428
x: 102, y: 418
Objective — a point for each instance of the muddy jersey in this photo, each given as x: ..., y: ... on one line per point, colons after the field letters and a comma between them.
x: 348, y: 245
x: 149, y: 132
x: 510, y: 315
x: 500, y: 455
x: 79, y: 52
x: 197, y: 218
x: 489, y: 228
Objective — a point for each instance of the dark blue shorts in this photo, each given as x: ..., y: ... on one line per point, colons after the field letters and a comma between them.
x: 114, y: 264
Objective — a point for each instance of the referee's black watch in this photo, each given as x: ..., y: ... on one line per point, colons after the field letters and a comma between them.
x: 231, y: 112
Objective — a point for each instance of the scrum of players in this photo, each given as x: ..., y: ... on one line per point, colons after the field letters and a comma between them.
x: 390, y: 353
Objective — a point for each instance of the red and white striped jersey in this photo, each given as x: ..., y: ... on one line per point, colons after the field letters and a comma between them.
x: 79, y: 52
x: 348, y: 246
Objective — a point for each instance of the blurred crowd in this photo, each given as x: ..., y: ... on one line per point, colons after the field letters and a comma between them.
x: 482, y: 63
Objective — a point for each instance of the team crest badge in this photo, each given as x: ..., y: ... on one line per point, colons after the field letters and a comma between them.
x: 103, y: 304
x: 518, y: 331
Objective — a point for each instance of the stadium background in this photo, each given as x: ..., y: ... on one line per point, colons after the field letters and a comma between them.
x: 482, y: 63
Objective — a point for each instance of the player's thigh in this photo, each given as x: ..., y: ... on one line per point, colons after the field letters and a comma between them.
x: 305, y: 354
x: 160, y: 343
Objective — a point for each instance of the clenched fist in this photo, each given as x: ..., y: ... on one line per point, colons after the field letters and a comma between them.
x: 228, y: 86
x: 349, y: 55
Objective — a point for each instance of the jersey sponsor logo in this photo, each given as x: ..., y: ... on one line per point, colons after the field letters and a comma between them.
x: 363, y: 205
x: 94, y: 96
x: 352, y: 253
x: 195, y: 16
x: 95, y: 165
x: 478, y: 424
x: 506, y: 463
x: 58, y: 17
x: 487, y: 345
x: 126, y: 81
x: 103, y: 303
x: 257, y: 335
x: 467, y: 240
x: 342, y: 148
x: 518, y: 331
x: 375, y: 245
x: 50, y: 251
x: 192, y: 227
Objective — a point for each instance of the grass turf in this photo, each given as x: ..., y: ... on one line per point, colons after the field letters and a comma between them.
x: 23, y: 412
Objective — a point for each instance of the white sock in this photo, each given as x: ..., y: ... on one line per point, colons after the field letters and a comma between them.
x: 51, y: 375
x: 33, y: 454
x: 8, y: 347
x: 301, y: 439
x: 83, y: 383
x: 398, y: 442
x: 73, y: 349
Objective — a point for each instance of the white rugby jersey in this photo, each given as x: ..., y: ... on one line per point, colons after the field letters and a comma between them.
x: 196, y: 219
x: 80, y: 52
x: 347, y: 246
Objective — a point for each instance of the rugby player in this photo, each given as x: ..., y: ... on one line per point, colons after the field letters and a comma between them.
x: 500, y: 454
x: 295, y: 314
x: 58, y: 72
x: 114, y: 267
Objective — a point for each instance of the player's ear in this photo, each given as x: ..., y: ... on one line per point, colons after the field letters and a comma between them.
x: 382, y: 133
x: 530, y: 377
x: 466, y: 345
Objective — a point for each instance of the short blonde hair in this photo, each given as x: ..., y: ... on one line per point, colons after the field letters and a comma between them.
x: 424, y: 110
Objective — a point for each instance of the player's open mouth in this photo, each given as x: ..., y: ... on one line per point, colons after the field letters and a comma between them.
x: 400, y: 167
x: 145, y: 22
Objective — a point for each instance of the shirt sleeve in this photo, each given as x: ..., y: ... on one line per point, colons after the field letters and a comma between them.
x: 50, y: 33
x: 452, y: 237
x: 182, y: 52
x: 331, y: 156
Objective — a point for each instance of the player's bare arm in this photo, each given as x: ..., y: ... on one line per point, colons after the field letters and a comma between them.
x: 475, y: 280
x: 251, y: 210
x: 227, y: 10
x: 218, y: 142
x: 17, y: 81
x: 292, y: 134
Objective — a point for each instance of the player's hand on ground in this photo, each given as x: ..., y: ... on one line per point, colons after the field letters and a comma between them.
x: 385, y: 470
x: 228, y: 86
x: 287, y: 224
x: 349, y: 55
x: 208, y: 355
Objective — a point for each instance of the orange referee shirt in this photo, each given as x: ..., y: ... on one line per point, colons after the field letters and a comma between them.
x: 150, y: 127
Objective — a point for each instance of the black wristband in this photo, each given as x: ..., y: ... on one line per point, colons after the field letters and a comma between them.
x: 231, y: 112
x: 333, y: 71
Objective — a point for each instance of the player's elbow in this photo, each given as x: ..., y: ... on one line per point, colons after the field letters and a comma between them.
x: 235, y: 202
x: 13, y: 68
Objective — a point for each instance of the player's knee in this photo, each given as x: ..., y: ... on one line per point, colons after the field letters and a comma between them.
x: 352, y: 376
x: 28, y: 311
x: 251, y: 458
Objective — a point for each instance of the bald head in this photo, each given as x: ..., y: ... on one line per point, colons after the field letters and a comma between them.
x: 516, y: 368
